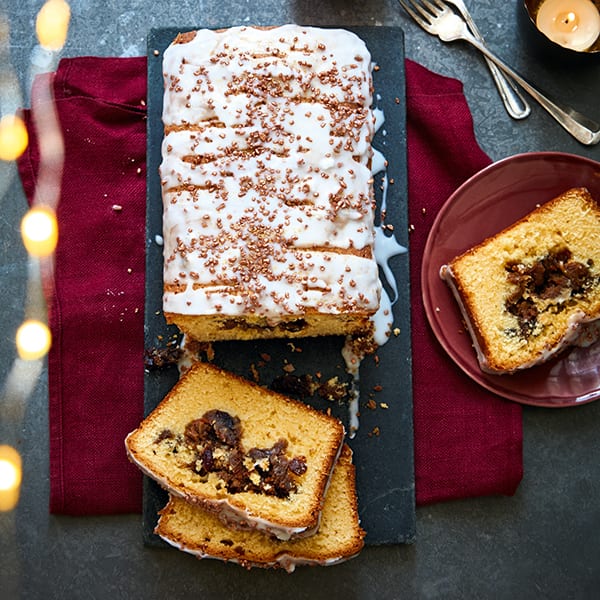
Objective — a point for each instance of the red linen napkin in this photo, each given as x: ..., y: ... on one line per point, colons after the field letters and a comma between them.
x: 467, y: 441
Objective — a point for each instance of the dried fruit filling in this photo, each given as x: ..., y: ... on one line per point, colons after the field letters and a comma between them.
x: 215, y: 439
x: 546, y: 279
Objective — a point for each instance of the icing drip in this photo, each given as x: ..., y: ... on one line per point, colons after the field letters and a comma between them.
x: 386, y: 247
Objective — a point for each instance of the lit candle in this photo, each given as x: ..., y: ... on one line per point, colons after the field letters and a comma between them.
x: 39, y: 231
x: 574, y: 24
x: 10, y: 477
x: 13, y: 137
x: 33, y: 340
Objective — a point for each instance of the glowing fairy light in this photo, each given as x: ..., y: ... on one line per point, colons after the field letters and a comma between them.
x: 39, y: 231
x: 52, y: 24
x: 33, y: 340
x: 13, y: 137
x: 10, y: 477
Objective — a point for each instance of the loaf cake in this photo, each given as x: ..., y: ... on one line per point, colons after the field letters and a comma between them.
x: 255, y: 458
x: 340, y: 537
x: 529, y: 291
x: 268, y: 204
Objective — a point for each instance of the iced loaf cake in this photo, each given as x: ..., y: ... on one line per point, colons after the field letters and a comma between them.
x: 266, y: 183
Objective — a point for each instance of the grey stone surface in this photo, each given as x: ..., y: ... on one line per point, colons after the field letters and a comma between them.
x: 541, y: 543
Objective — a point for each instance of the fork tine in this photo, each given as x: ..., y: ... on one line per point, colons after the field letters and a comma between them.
x: 416, y: 16
x: 435, y: 8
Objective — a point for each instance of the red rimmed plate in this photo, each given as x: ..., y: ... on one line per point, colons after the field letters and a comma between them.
x: 489, y: 201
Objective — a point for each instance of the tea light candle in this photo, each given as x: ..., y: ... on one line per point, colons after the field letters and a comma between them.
x: 574, y: 24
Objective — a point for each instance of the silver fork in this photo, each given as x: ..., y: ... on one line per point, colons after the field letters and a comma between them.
x: 516, y: 106
x: 438, y: 19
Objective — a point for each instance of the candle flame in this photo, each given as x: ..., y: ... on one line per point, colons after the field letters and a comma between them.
x: 52, y: 24
x: 10, y: 477
x: 568, y: 21
x: 13, y: 137
x: 39, y: 231
x: 33, y: 340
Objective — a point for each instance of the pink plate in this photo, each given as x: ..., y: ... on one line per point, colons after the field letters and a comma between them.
x: 492, y: 199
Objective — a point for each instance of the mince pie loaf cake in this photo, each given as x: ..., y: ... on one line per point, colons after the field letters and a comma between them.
x: 530, y: 291
x: 340, y: 537
x: 268, y: 204
x: 255, y: 458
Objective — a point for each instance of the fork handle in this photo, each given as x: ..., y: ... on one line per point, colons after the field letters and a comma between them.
x: 582, y: 128
x: 514, y: 103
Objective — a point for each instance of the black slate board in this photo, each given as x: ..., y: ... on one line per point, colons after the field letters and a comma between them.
x: 383, y: 445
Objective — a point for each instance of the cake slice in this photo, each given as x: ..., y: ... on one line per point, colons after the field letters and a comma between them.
x: 533, y: 289
x: 340, y: 537
x: 255, y: 458
x: 268, y: 204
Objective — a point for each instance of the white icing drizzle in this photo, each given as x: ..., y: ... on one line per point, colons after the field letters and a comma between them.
x: 386, y: 247
x: 378, y: 162
x: 379, y: 118
x: 280, y: 118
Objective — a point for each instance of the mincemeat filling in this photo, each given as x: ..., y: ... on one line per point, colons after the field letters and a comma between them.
x: 545, y: 279
x: 215, y: 439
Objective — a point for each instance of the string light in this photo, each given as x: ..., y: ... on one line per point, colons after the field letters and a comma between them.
x: 13, y: 137
x: 33, y: 340
x: 10, y: 477
x: 52, y: 24
x: 39, y: 227
x: 39, y: 231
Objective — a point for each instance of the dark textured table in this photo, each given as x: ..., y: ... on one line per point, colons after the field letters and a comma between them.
x: 541, y: 543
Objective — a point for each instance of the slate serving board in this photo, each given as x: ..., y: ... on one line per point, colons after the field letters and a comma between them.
x: 383, y: 445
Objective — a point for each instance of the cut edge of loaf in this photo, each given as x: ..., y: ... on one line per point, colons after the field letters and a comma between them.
x: 212, y: 328
x: 340, y: 537
x: 577, y: 325
x: 296, y: 516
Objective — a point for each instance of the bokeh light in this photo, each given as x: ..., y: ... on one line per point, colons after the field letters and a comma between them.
x: 10, y: 477
x: 52, y: 24
x: 33, y: 340
x: 13, y: 137
x: 39, y: 231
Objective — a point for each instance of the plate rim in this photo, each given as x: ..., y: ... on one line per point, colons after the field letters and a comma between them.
x: 489, y: 381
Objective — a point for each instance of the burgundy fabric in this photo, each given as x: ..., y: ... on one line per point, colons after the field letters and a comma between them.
x: 467, y: 441
x: 97, y: 309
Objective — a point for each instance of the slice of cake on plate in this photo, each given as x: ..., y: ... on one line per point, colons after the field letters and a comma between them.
x: 253, y: 457
x: 340, y: 537
x: 267, y: 190
x: 534, y: 288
